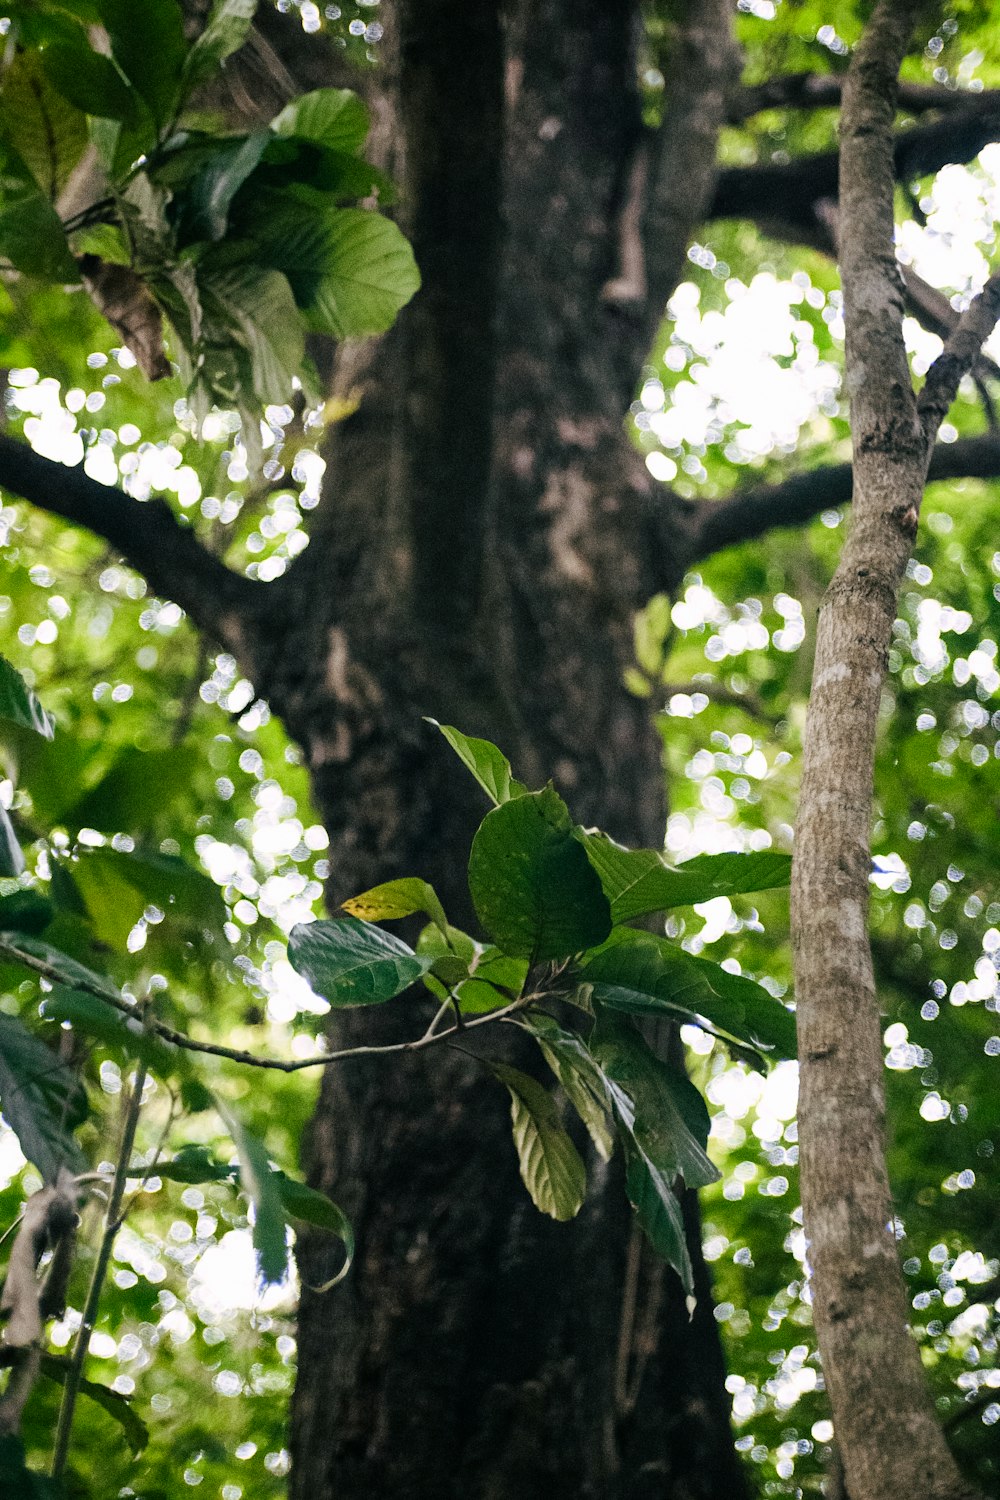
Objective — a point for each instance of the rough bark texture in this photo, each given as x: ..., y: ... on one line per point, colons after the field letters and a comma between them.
x: 481, y: 1350
x: 890, y: 1441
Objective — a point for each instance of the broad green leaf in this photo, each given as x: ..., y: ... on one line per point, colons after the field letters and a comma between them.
x: 195, y: 1097
x: 350, y: 962
x: 350, y: 270
x: 25, y: 911
x: 261, y: 1184
x: 203, y: 207
x: 489, y: 766
x: 256, y: 308
x: 331, y: 117
x: 531, y: 883
x: 637, y: 881
x: 48, y: 133
x: 133, y: 796
x: 11, y: 855
x: 57, y: 966
x: 551, y: 1167
x: 578, y: 1073
x: 480, y: 976
x: 656, y: 1105
x: 313, y: 1207
x: 90, y: 80
x: 150, y: 54
x: 194, y: 1164
x: 650, y: 1192
x: 125, y: 1034
x: 31, y: 236
x: 395, y: 899
x: 19, y: 705
x: 41, y: 1100
x: 57, y: 1366
x: 118, y: 887
x: 227, y: 28
x: 642, y: 973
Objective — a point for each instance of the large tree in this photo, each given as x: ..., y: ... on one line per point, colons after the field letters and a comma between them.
x: 487, y: 533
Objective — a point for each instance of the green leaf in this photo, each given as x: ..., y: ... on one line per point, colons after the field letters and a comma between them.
x: 658, y: 1210
x: 125, y: 1034
x: 225, y: 31
x: 395, y: 899
x: 350, y: 962
x: 134, y: 1429
x: 261, y: 1184
x: 477, y: 973
x: 531, y: 883
x: 19, y: 705
x: 551, y: 1166
x: 203, y: 207
x: 117, y: 887
x: 41, y: 1100
x: 637, y: 881
x: 11, y: 856
x: 193, y: 1164
x: 580, y: 1077
x: 90, y: 80
x: 133, y: 796
x: 642, y: 973
x: 313, y: 1207
x: 489, y: 766
x: 350, y: 270
x: 331, y: 117
x: 656, y: 1105
x: 25, y: 911
x: 31, y: 235
x: 48, y: 133
x: 256, y: 308
x: 151, y: 55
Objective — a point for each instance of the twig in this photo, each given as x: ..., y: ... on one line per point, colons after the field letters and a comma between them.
x: 112, y: 1223
x: 250, y: 1059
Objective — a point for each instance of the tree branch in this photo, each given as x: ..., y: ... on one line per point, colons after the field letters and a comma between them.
x: 958, y: 356
x: 781, y: 197
x: 147, y: 534
x: 824, y: 90
x: 683, y: 172
x: 712, y: 525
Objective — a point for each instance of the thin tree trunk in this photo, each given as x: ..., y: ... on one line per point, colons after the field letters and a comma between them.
x: 888, y: 1435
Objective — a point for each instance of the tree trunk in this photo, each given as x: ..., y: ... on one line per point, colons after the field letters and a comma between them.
x: 487, y: 539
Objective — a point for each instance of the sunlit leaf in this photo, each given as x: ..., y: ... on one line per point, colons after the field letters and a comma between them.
x: 637, y: 881
x: 551, y: 1167
x: 19, y: 705
x: 331, y: 117
x: 395, y: 899
x: 350, y: 962
x: 489, y: 766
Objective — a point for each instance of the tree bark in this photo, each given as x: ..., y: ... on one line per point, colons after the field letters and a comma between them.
x: 889, y: 1439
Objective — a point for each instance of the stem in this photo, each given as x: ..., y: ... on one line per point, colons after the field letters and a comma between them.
x: 112, y: 1223
x: 250, y: 1059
